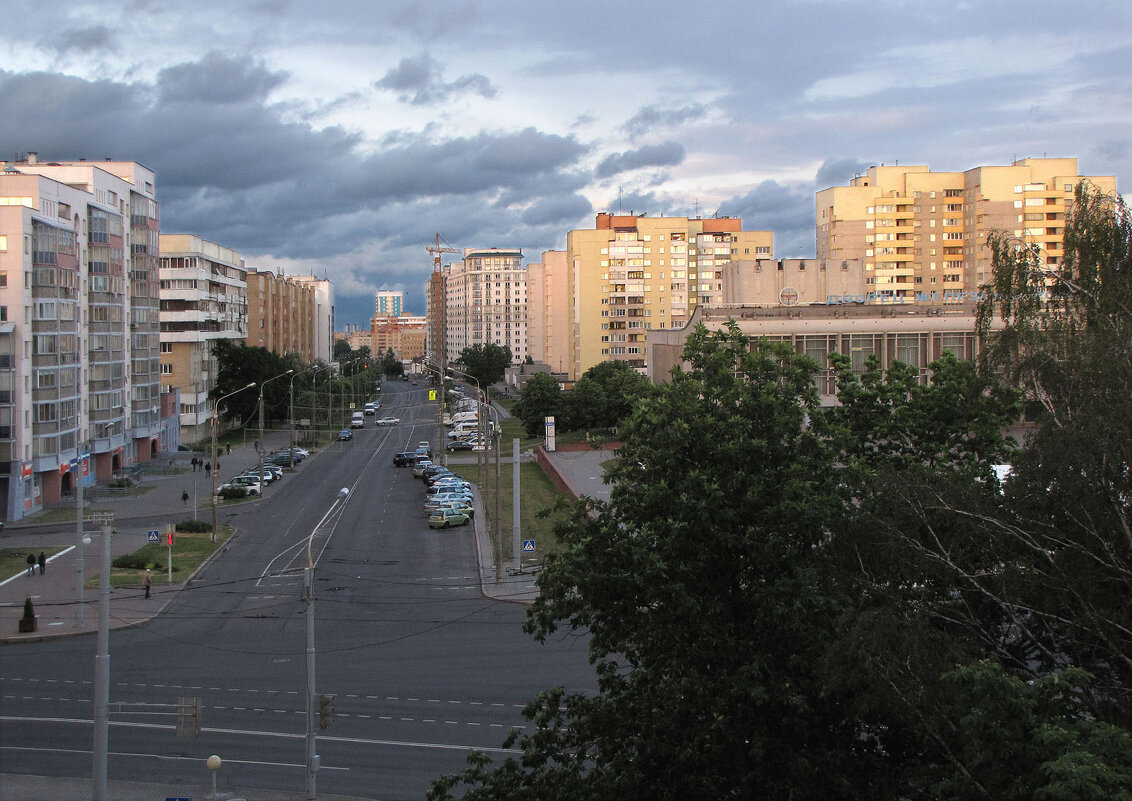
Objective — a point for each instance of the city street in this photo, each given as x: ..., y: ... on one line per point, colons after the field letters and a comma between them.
x: 422, y: 651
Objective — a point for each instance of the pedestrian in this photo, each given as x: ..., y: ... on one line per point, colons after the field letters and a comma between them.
x: 31, y: 564
x: 257, y: 446
x: 147, y: 582
x: 42, y: 563
x: 228, y: 445
x: 196, y: 463
x: 208, y: 468
x: 185, y: 497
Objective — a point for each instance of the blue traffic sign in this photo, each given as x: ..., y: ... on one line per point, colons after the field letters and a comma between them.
x: 153, y: 536
x: 528, y: 546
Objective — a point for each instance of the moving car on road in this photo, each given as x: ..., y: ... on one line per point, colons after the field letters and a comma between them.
x: 345, y: 434
x: 388, y: 421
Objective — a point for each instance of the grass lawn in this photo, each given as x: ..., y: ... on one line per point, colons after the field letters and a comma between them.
x: 15, y: 560
x: 189, y: 552
x: 536, y: 493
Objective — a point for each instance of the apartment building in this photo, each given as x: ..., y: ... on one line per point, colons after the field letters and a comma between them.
x: 792, y: 282
x: 405, y: 335
x: 80, y: 391
x: 282, y: 314
x: 485, y: 301
x: 923, y: 234
x: 389, y: 303
x: 548, y: 311
x: 204, y: 298
x: 633, y: 273
x: 323, y: 332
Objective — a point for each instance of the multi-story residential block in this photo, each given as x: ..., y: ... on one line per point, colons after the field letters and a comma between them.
x: 405, y: 335
x: 792, y: 282
x: 323, y: 332
x: 923, y: 234
x: 485, y: 301
x: 80, y: 390
x: 548, y: 311
x: 203, y: 299
x: 389, y: 303
x: 631, y: 274
x: 282, y: 314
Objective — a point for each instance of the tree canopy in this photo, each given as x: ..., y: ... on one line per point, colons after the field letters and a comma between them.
x: 485, y: 362
x: 541, y: 397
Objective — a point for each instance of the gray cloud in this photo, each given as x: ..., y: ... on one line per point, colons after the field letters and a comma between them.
x: 649, y: 118
x: 80, y: 41
x: 787, y: 210
x: 217, y: 78
x: 417, y: 81
x: 838, y: 172
x: 562, y: 209
x: 662, y: 155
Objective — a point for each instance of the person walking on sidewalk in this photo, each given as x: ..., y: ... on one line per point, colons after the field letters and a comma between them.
x: 42, y: 563
x: 228, y: 445
x: 185, y: 497
x: 147, y: 582
x: 208, y: 468
x: 31, y: 564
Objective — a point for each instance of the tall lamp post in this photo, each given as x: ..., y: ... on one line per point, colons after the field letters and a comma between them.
x: 80, y: 566
x: 312, y: 701
x: 215, y: 455
x: 291, y: 404
x: 259, y: 451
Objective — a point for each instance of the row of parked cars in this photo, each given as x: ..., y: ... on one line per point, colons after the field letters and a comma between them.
x: 272, y: 470
x: 448, y: 498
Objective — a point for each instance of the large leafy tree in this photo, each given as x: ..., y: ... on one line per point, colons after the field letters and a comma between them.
x: 485, y: 362
x: 703, y: 587
x: 604, y: 396
x: 541, y: 397
x: 238, y: 365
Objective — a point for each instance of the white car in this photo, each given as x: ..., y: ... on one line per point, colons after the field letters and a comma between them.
x: 357, y: 420
x: 388, y: 421
x: 370, y: 409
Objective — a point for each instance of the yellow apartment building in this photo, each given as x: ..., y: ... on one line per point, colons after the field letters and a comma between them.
x: 631, y: 274
x: 923, y: 234
x: 548, y: 311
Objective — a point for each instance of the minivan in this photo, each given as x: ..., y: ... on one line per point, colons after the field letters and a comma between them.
x: 357, y: 420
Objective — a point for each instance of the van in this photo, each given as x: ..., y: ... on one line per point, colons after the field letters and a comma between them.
x: 357, y: 420
x: 463, y: 417
x: 466, y: 427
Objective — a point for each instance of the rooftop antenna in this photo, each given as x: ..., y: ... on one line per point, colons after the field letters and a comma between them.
x: 696, y: 206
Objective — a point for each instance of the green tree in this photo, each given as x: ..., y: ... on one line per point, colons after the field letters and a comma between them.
x: 485, y: 362
x: 341, y: 350
x: 702, y: 587
x: 583, y: 407
x: 541, y: 397
x: 604, y: 396
x: 239, y: 364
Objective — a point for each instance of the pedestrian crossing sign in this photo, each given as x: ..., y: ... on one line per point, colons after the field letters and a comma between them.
x: 153, y: 536
x: 528, y: 546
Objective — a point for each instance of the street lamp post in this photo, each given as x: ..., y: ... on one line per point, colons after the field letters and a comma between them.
x: 215, y: 455
x: 291, y: 403
x: 259, y: 451
x: 80, y: 567
x: 312, y: 700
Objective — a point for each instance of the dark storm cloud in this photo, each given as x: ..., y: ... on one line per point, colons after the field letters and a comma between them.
x: 649, y: 118
x: 838, y: 172
x: 217, y: 78
x: 79, y: 41
x: 560, y: 209
x: 666, y: 154
x: 786, y: 210
x: 417, y: 81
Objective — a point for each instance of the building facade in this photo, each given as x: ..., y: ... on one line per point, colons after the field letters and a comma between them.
x: 485, y: 301
x: 80, y: 391
x: 548, y: 311
x: 405, y: 335
x: 282, y: 314
x: 922, y: 234
x: 323, y: 332
x: 389, y: 303
x: 204, y: 299
x: 632, y: 274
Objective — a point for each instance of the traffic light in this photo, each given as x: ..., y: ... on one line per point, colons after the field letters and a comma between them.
x: 325, y: 710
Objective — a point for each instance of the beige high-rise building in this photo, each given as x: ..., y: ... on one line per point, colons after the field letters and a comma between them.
x: 548, y: 311
x: 923, y: 234
x: 631, y: 274
x: 282, y: 314
x: 485, y: 301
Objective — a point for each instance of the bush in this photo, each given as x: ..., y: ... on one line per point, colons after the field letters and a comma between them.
x: 231, y: 493
x: 193, y: 526
x: 135, y: 561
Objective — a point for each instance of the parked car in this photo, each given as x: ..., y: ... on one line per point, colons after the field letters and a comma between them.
x: 419, y: 467
x: 464, y: 507
x: 345, y: 434
x: 436, y: 469
x: 456, y: 485
x: 461, y: 445
x: 446, y: 518
x: 388, y: 421
x: 403, y: 458
x: 253, y: 472
x: 443, y: 497
x: 250, y: 484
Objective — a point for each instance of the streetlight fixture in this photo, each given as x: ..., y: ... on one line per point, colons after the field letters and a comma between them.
x: 215, y: 455
x: 259, y: 450
x: 312, y: 699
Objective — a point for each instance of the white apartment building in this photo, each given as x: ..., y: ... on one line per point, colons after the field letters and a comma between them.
x: 79, y: 348
x: 486, y: 301
x: 203, y: 299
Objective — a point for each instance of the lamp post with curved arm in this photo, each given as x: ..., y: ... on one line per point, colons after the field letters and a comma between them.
x: 259, y: 450
x: 312, y: 701
x: 291, y: 403
x: 215, y: 455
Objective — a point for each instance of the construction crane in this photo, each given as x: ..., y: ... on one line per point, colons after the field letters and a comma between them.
x: 436, y: 252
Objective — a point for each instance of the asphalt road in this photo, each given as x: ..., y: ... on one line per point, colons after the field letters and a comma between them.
x: 422, y: 665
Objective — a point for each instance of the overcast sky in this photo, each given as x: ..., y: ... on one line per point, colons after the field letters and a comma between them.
x: 338, y: 138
